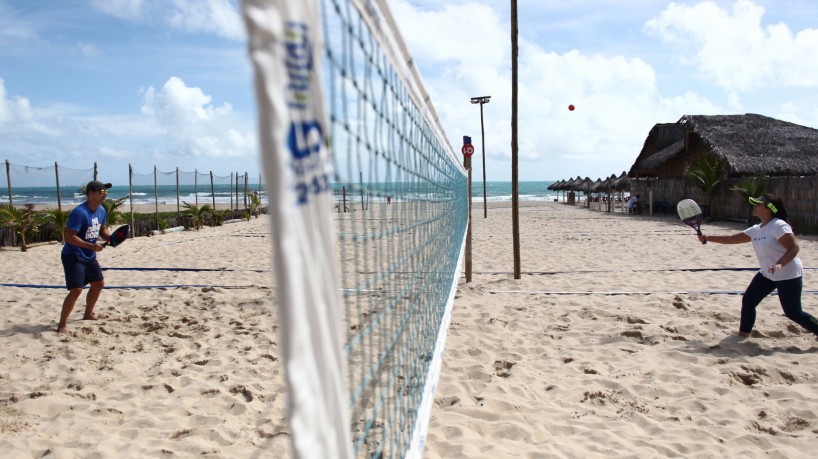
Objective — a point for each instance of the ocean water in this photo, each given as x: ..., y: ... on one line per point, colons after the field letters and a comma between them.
x: 501, y: 191
x: 166, y: 194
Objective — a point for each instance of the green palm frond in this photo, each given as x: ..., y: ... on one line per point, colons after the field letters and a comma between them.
x: 59, y: 218
x: 755, y: 186
x: 20, y: 221
x: 255, y: 203
x: 197, y: 214
x: 707, y: 173
x: 112, y: 208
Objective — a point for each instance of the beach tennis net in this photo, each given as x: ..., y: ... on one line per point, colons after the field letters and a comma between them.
x: 397, y: 207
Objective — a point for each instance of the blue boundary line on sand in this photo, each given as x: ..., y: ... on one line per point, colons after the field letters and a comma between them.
x: 190, y: 269
x: 610, y: 293
x: 136, y: 287
x: 592, y: 271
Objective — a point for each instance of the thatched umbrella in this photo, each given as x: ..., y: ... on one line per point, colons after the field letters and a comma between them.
x: 559, y: 186
x: 622, y: 184
x: 573, y: 186
x: 585, y: 187
x: 606, y: 186
x: 595, y: 188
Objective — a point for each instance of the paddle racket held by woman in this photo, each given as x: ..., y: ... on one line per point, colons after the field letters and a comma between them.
x: 118, y: 236
x: 691, y: 215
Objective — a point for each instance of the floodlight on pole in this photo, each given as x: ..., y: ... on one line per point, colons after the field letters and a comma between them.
x: 483, y: 100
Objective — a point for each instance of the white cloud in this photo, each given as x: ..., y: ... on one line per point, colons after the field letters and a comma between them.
x: 218, y: 17
x: 176, y: 121
x: 14, y: 111
x: 186, y: 118
x: 735, y: 50
x: 124, y: 9
x: 209, y: 16
x: 616, y: 97
x: 88, y: 49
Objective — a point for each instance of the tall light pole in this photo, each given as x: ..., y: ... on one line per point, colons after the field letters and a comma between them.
x: 483, y: 100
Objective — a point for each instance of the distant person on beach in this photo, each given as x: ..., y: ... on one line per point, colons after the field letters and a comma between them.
x: 777, y: 252
x: 86, y: 224
x: 633, y: 204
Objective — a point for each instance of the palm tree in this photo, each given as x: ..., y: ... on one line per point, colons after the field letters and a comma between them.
x: 752, y: 187
x: 20, y: 221
x: 197, y: 214
x: 111, y: 207
x: 707, y: 174
x: 255, y: 203
x: 59, y: 218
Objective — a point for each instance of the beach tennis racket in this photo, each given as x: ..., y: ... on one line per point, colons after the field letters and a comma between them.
x: 118, y: 236
x: 691, y: 215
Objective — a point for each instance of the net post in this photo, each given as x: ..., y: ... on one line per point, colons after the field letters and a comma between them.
x: 96, y: 170
x: 515, y: 199
x: 8, y: 181
x: 467, y: 166
x: 57, y: 174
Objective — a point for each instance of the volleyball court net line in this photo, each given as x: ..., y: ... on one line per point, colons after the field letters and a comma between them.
x: 369, y: 207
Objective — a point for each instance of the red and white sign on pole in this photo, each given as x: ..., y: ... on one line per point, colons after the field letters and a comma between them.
x: 467, y: 149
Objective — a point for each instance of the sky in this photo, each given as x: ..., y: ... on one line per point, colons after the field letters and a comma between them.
x: 167, y: 83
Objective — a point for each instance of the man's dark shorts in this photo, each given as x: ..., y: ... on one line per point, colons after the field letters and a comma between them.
x: 79, y: 273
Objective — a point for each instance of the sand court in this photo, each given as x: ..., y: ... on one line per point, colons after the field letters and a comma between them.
x: 609, y: 346
x: 618, y: 341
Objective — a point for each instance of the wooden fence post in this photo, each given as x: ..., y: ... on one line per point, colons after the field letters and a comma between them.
x: 57, y: 173
x: 8, y: 180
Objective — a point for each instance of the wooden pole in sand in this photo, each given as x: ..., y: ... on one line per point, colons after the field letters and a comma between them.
x: 130, y: 196
x: 196, y: 186
x: 178, y: 205
x: 57, y: 173
x: 156, y: 196
x: 212, y: 190
x: 231, y: 192
x: 8, y: 181
x: 515, y: 199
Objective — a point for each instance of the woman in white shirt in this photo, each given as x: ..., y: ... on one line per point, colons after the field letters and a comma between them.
x: 777, y: 252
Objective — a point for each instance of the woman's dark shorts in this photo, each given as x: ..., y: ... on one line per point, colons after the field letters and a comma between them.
x: 79, y: 273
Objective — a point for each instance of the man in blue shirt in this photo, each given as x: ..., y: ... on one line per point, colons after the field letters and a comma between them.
x: 86, y: 224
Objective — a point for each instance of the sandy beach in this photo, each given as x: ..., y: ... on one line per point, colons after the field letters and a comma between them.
x: 598, y: 351
x: 618, y: 341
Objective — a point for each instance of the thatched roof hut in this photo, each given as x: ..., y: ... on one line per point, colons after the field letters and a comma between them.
x: 621, y: 183
x: 602, y: 186
x: 597, y: 186
x: 749, y: 145
x: 556, y: 186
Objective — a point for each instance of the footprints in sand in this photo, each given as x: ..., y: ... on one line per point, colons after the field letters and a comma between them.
x: 790, y: 426
x: 757, y: 376
x: 502, y: 368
